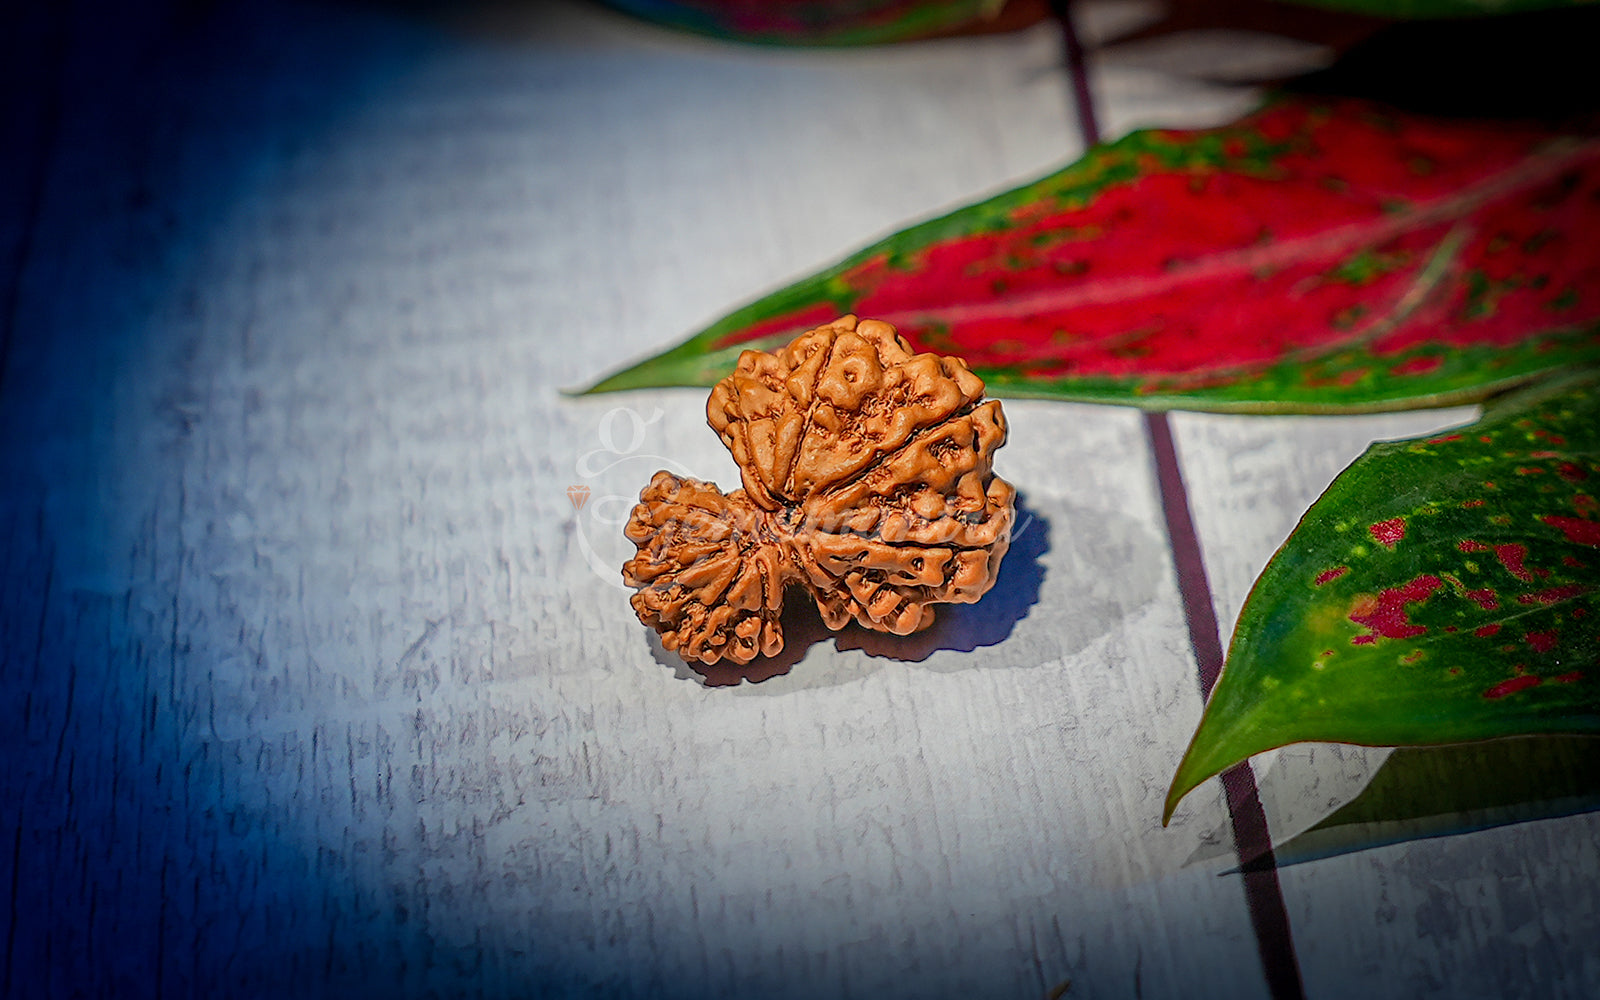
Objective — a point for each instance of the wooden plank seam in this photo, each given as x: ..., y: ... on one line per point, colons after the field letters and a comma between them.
x: 1252, y: 839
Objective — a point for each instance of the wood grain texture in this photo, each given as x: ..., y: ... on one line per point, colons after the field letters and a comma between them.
x: 315, y: 683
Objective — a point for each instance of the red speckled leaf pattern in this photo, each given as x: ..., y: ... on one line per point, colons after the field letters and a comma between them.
x: 1317, y: 256
x: 1443, y: 589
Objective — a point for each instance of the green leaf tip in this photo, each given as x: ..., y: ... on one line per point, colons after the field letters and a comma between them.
x: 1444, y: 589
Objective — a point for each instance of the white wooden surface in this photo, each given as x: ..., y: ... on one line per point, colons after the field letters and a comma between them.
x: 315, y: 683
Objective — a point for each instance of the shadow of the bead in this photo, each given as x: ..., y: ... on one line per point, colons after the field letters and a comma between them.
x: 957, y: 627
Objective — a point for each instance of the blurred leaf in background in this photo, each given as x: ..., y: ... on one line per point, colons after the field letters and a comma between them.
x: 835, y: 22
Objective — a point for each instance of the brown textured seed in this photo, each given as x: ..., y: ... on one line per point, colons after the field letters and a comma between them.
x: 866, y: 481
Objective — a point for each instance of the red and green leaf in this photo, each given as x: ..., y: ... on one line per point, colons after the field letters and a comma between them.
x: 1442, y: 590
x: 1317, y: 256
